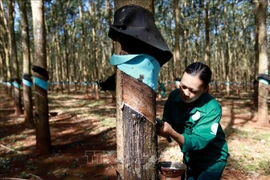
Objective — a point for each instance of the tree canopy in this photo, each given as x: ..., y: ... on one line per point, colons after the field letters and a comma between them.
x: 77, y: 36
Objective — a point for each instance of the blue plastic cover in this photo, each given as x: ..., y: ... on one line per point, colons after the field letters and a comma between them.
x: 15, y: 84
x: 41, y: 83
x: 27, y: 83
x: 139, y: 66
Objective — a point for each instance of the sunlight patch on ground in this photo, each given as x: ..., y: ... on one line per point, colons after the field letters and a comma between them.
x: 249, y: 149
x: 171, y: 153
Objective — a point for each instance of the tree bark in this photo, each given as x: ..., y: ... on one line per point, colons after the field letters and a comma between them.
x: 176, y: 58
x: 227, y: 55
x: 27, y: 82
x: 43, y: 137
x: 67, y: 59
x: 92, y: 10
x: 4, y: 46
x: 207, y: 35
x: 261, y: 51
x: 136, y: 135
x: 14, y: 59
x: 136, y: 113
x: 110, y: 16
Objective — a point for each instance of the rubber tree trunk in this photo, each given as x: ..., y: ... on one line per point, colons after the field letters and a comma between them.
x: 9, y: 89
x: 262, y: 58
x: 17, y: 97
x: 14, y: 64
x: 28, y: 104
x: 43, y: 138
x: 136, y: 135
x: 136, y: 114
x: 27, y: 81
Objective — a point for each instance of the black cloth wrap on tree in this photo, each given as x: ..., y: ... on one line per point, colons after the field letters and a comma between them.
x: 109, y: 84
x: 135, y: 29
x: 27, y: 77
x: 264, y: 77
x: 16, y: 80
x: 41, y: 71
x: 140, y: 47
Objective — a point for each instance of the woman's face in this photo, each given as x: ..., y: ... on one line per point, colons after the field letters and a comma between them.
x: 191, y: 88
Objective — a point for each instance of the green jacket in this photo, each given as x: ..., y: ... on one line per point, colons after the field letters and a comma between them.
x: 205, y: 142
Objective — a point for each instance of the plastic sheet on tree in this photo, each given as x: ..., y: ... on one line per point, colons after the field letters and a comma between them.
x: 140, y: 66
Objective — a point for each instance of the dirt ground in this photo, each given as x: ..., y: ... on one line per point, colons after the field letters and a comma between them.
x: 83, y: 137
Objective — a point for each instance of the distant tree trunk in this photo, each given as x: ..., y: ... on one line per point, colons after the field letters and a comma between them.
x: 43, y: 137
x: 3, y: 71
x: 95, y: 60
x: 261, y: 57
x: 197, y: 32
x: 185, y: 47
x: 74, y: 60
x: 58, y: 60
x: 207, y: 36
x: 136, y: 113
x: 227, y: 54
x: 92, y: 9
x: 234, y: 57
x: 176, y: 58
x: 4, y: 46
x: 83, y: 59
x: 66, y: 40
x: 3, y: 65
x: 110, y: 14
x: 185, y: 33
x: 14, y: 60
x: 7, y: 47
x: 83, y: 46
x: 245, y: 53
x: 27, y: 81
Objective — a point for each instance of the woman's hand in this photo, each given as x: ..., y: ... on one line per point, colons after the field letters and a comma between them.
x: 165, y: 130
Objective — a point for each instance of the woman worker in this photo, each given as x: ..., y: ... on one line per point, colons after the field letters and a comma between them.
x: 192, y: 118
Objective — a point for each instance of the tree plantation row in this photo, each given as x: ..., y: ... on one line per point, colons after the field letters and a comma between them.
x: 52, y: 41
x: 220, y: 33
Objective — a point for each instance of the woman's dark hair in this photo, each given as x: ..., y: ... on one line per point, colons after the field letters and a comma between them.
x: 200, y: 69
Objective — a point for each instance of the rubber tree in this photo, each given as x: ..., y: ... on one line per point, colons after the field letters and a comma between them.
x: 15, y: 81
x: 4, y: 45
x: 135, y: 101
x: 260, y: 8
x: 27, y: 80
x: 43, y: 138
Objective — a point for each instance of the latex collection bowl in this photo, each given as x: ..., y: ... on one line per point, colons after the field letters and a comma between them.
x: 172, y: 169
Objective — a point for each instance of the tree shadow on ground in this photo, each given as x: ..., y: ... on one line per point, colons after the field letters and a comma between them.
x: 71, y: 137
x: 81, y: 149
x: 238, y: 112
x: 70, y: 142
